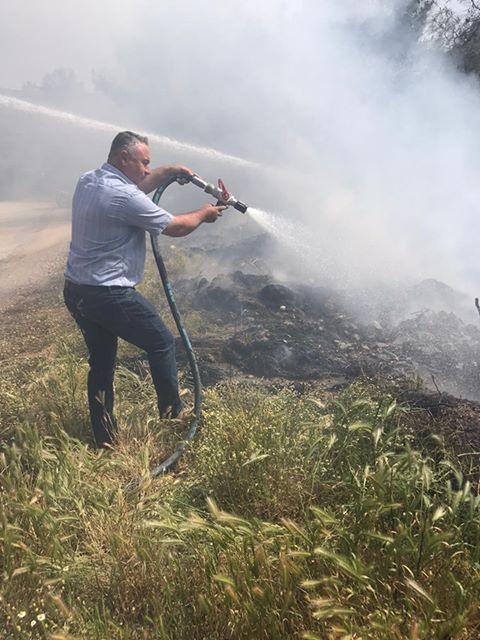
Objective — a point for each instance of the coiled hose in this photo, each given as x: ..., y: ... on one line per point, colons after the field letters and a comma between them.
x: 170, y: 462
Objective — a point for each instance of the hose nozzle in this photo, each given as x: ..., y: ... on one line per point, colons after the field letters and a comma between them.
x: 220, y: 193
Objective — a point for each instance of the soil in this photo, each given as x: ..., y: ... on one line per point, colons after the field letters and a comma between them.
x: 34, y: 239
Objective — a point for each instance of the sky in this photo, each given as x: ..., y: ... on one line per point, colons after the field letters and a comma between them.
x: 365, y: 141
x: 37, y: 37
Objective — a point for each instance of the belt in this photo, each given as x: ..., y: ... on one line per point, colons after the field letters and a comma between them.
x: 110, y: 287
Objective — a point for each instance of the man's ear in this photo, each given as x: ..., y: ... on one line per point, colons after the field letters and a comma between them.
x: 123, y: 156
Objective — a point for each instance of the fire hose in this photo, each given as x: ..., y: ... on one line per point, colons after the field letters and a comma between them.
x: 223, y: 198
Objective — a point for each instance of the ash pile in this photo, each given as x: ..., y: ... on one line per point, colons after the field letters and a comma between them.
x: 264, y: 328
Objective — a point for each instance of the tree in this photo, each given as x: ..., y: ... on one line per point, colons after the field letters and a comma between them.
x: 455, y: 28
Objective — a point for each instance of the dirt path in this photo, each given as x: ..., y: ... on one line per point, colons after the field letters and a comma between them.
x: 34, y: 240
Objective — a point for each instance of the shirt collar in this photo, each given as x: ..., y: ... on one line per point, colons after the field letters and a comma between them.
x: 112, y: 169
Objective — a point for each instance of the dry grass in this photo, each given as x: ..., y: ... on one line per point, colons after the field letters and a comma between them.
x: 290, y: 517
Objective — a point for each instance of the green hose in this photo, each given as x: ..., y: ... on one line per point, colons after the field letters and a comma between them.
x: 170, y: 462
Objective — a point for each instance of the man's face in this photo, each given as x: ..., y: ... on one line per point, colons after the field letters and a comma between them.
x: 135, y: 162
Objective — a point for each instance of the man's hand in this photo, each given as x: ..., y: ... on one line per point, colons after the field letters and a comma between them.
x: 211, y: 212
x: 185, y: 223
x: 159, y: 177
x: 178, y: 168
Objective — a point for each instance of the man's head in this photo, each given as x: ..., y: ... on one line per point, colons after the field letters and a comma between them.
x: 130, y: 153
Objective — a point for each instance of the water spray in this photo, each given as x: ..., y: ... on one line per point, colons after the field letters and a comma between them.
x: 77, y: 120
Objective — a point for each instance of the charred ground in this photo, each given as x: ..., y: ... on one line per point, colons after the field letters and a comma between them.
x: 252, y: 326
x: 415, y: 339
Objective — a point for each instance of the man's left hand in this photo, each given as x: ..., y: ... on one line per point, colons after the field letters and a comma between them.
x: 178, y: 168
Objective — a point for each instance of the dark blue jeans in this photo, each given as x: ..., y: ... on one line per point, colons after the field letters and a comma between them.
x: 105, y: 314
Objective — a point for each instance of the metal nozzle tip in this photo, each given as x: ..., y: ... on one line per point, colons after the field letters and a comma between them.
x: 240, y: 206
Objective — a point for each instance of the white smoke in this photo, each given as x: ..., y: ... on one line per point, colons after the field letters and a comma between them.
x: 369, y: 140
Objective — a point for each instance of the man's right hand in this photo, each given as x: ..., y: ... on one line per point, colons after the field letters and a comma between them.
x: 211, y: 212
x: 185, y: 223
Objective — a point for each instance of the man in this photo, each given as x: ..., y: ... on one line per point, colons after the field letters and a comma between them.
x: 110, y: 215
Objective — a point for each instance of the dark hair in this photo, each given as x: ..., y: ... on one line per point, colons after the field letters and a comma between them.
x: 125, y: 140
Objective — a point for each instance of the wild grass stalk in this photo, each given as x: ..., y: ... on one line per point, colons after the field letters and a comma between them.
x: 290, y: 517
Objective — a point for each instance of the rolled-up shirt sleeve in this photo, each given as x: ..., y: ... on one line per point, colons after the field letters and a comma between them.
x: 138, y: 210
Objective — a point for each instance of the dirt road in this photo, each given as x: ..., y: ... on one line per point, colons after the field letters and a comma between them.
x: 34, y: 239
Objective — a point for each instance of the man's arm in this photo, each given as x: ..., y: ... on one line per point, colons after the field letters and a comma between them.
x: 159, y: 176
x: 185, y: 223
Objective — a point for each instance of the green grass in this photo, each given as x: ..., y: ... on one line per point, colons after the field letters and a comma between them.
x: 290, y: 517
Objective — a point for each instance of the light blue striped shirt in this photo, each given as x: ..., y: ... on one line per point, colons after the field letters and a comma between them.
x: 109, y: 218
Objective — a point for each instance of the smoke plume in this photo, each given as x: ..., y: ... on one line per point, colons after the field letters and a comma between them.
x: 363, y: 138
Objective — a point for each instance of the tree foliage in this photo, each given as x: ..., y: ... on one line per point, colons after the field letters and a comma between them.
x: 455, y: 27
